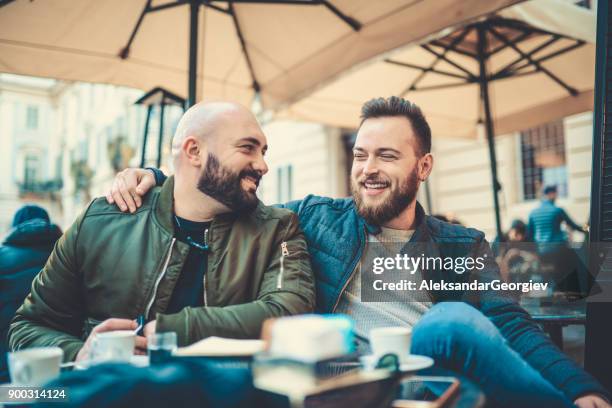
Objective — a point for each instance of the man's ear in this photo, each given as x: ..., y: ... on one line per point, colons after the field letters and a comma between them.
x: 194, y: 151
x: 425, y: 166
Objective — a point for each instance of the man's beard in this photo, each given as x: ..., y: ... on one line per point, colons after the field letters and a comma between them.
x: 399, y: 198
x: 224, y: 185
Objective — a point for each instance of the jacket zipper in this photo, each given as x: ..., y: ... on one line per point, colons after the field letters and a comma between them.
x: 207, y: 271
x: 159, y: 278
x: 365, y: 235
x: 284, y: 253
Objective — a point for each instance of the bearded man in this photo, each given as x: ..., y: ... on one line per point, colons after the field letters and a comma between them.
x: 201, y: 257
x: 484, y: 335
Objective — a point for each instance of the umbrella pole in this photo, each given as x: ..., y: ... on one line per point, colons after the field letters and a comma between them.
x: 484, y: 94
x: 161, y: 134
x: 194, y: 8
x: 146, y: 132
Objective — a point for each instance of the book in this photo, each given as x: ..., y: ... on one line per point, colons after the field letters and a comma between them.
x: 221, y: 347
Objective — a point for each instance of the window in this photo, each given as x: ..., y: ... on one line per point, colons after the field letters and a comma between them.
x: 284, y: 184
x: 543, y: 159
x: 30, y: 176
x: 32, y: 117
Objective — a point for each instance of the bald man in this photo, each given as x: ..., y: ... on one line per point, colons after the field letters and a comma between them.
x: 200, y: 257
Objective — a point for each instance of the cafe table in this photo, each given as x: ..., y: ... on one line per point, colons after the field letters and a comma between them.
x: 357, y: 388
x: 373, y: 385
x: 554, y: 313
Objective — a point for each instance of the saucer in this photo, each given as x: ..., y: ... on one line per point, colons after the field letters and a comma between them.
x: 415, y: 362
x: 135, y: 360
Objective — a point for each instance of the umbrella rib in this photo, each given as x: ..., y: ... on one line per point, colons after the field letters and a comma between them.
x: 529, y: 54
x: 457, y: 50
x: 441, y: 86
x: 167, y: 5
x: 232, y: 11
x: 577, y: 44
x: 295, y: 2
x: 572, y: 91
x: 426, y: 69
x: 504, y: 46
x: 439, y: 57
x: 354, y: 24
x: 125, y: 51
x: 445, y: 58
x: 208, y: 3
x: 512, y: 74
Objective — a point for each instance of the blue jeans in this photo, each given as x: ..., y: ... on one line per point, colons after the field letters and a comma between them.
x: 460, y: 338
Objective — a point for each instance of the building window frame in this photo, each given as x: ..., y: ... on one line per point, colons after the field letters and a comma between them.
x: 544, y: 137
x: 284, y: 183
x: 32, y: 117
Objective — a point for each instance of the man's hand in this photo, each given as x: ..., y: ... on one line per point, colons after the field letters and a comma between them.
x: 129, y: 186
x: 266, y: 331
x: 592, y: 401
x: 112, y: 325
x: 149, y: 328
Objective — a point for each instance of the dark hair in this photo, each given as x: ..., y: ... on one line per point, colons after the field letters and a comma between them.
x: 520, y: 226
x: 550, y: 189
x: 396, y: 106
x: 29, y: 212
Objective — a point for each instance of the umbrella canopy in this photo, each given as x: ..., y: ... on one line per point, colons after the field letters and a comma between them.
x: 282, y: 47
x: 547, y: 73
x: 524, y: 66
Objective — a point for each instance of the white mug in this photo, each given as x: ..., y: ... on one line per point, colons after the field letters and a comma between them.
x: 116, y: 346
x: 34, y: 366
x: 394, y: 340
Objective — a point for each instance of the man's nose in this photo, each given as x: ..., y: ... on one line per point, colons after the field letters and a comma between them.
x: 260, y: 165
x: 370, y: 167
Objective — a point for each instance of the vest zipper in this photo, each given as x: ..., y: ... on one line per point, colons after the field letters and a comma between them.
x: 284, y: 253
x: 207, y: 271
x: 159, y: 278
x: 365, y: 235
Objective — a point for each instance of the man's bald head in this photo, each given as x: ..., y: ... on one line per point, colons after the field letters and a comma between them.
x: 204, y: 119
x: 219, y: 149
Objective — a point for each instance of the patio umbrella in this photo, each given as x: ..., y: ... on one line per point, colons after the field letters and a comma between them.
x: 523, y: 66
x: 228, y: 49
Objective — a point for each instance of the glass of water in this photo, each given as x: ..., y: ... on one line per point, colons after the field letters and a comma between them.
x: 160, y: 347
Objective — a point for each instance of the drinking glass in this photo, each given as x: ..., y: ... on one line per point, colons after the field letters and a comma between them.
x: 160, y: 347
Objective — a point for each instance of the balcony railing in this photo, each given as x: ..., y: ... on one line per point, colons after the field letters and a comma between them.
x: 40, y: 188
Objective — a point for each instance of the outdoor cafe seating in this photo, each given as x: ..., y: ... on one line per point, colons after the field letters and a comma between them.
x: 271, y: 374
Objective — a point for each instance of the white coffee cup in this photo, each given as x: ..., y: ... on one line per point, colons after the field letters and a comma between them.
x: 396, y: 340
x: 115, y: 346
x: 34, y: 366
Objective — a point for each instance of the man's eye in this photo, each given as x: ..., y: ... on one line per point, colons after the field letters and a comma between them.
x: 387, y: 157
x: 359, y: 156
x: 248, y: 148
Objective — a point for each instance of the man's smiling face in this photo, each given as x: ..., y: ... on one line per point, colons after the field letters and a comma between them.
x: 384, y: 176
x: 235, y: 162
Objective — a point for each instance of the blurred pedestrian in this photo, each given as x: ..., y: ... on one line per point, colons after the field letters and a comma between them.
x: 551, y: 241
x: 545, y: 222
x: 22, y: 255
